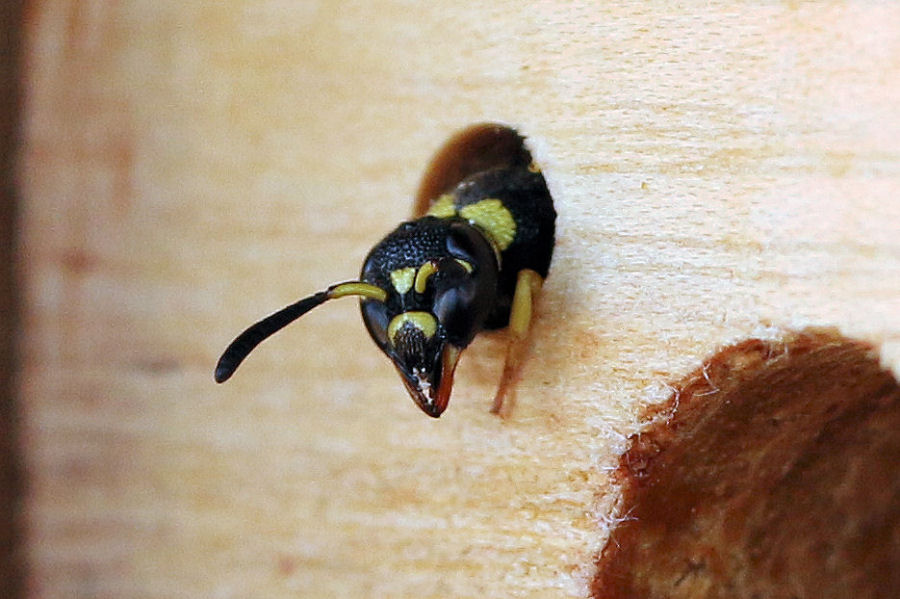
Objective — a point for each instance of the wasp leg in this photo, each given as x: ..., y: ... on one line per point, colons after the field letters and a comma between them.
x: 528, y: 284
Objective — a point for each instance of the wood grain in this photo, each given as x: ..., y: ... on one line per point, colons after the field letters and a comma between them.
x: 720, y: 172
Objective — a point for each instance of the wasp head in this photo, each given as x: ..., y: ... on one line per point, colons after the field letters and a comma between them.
x: 439, y: 293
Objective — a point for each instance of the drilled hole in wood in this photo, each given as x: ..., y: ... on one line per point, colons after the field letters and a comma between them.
x: 772, y: 471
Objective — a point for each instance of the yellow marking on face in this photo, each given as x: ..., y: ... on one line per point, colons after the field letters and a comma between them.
x: 493, y: 218
x: 443, y: 208
x: 469, y: 268
x: 534, y: 167
x: 423, y: 321
x: 357, y: 288
x: 425, y: 271
x: 402, y: 279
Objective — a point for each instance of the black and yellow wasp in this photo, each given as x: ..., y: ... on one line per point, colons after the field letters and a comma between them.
x: 473, y: 261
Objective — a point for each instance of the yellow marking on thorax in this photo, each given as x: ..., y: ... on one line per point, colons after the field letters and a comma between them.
x: 423, y: 321
x: 493, y: 218
x: 490, y: 215
x: 402, y: 279
x: 443, y: 208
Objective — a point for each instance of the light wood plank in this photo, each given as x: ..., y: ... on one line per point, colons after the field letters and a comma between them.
x: 720, y: 172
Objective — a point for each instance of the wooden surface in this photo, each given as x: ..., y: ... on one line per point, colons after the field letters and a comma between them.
x: 719, y: 173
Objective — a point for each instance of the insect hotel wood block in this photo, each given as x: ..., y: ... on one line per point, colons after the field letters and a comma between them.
x: 724, y: 177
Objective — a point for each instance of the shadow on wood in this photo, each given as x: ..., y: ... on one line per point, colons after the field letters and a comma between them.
x: 11, y: 567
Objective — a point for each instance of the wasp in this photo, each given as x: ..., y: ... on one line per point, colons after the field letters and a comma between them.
x: 475, y: 260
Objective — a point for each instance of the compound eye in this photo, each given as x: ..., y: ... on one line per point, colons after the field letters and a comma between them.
x: 465, y: 286
x: 453, y: 308
x: 376, y: 318
x: 461, y: 300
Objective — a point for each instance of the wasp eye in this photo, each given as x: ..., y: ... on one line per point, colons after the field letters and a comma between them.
x: 461, y: 302
x: 377, y: 316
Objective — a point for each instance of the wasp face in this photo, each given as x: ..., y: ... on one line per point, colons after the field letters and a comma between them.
x: 434, y: 308
x: 424, y: 358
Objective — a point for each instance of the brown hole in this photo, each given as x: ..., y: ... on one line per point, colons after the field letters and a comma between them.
x: 772, y: 471
x: 474, y: 149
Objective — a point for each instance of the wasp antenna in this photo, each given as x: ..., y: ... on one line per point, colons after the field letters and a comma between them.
x: 366, y: 290
x: 255, y: 334
x: 244, y: 343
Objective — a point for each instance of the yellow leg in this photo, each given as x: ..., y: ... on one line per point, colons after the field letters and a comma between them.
x: 528, y: 284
